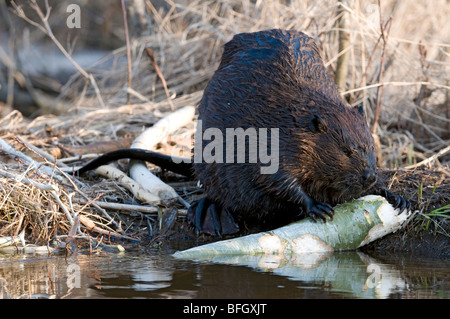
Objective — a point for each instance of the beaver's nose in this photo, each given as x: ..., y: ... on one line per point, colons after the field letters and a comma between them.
x: 369, y: 177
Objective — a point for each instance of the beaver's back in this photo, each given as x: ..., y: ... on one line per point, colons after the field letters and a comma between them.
x: 278, y: 54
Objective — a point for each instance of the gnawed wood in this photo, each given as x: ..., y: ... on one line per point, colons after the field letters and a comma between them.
x: 355, y: 224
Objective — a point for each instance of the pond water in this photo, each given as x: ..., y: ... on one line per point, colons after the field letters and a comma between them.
x: 136, y: 273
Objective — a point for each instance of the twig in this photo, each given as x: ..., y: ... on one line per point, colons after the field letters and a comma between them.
x: 138, y: 95
x: 47, y: 187
x: 89, y: 202
x: 11, y: 71
x: 127, y: 39
x: 38, y: 151
x: 125, y: 207
x: 5, y: 147
x: 90, y: 225
x: 151, y: 55
x: 45, y: 27
x: 431, y: 158
x: 380, y: 90
x: 364, y: 76
x: 96, y: 89
x: 344, y: 45
x: 63, y: 207
x: 101, y: 210
x: 395, y: 83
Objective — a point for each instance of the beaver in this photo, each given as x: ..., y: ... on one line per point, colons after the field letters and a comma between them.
x: 326, y: 153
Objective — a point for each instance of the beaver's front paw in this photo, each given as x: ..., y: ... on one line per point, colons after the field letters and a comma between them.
x: 317, y: 209
x: 397, y: 201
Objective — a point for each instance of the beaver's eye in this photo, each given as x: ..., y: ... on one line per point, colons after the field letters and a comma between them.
x: 347, y: 151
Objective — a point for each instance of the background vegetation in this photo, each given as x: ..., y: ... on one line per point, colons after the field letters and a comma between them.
x: 391, y: 57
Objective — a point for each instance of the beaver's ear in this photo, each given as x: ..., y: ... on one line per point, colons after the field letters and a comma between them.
x: 360, y: 110
x: 317, y: 124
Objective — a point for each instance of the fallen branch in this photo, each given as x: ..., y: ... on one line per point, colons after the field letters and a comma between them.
x: 90, y: 225
x: 134, y: 187
x: 430, y: 159
x: 147, y: 140
x: 12, y: 240
x: 355, y: 224
x: 38, y: 151
x: 40, y: 169
x: 98, y: 147
x: 28, y: 249
x: 165, y: 126
x: 127, y: 208
x: 151, y: 183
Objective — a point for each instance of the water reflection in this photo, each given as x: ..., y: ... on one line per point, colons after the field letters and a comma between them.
x: 136, y: 274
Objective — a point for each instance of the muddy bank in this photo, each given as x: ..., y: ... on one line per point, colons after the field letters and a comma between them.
x: 414, y: 243
x: 425, y: 235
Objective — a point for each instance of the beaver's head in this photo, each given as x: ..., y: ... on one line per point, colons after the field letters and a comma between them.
x: 336, y: 158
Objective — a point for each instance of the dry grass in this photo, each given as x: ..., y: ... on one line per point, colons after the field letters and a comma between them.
x: 187, y: 40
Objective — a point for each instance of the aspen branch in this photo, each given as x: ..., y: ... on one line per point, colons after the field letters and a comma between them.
x: 355, y: 224
x: 147, y: 140
x: 134, y: 187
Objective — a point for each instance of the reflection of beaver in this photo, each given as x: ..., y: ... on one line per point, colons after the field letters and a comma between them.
x: 276, y: 79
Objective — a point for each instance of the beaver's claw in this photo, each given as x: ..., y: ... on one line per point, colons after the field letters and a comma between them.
x: 317, y: 209
x: 397, y: 201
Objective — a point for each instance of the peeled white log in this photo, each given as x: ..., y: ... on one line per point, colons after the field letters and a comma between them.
x: 147, y: 140
x: 28, y: 249
x: 138, y: 191
x: 140, y: 173
x: 13, y: 240
x: 165, y: 126
x: 355, y: 224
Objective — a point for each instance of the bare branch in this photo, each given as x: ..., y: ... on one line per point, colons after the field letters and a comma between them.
x: 46, y: 28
